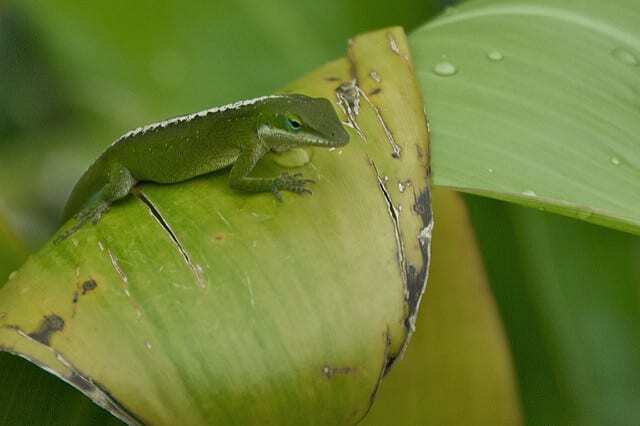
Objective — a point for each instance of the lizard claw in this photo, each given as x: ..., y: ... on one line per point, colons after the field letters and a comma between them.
x: 276, y: 193
x: 293, y: 183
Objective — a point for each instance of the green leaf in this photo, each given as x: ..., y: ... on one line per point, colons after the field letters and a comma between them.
x: 458, y: 368
x: 27, y: 388
x: 537, y: 103
x: 568, y: 295
x: 192, y: 302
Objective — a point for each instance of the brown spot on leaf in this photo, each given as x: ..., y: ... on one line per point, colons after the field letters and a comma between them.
x: 333, y: 79
x: 219, y: 237
x: 375, y: 91
x: 88, y: 286
x: 49, y: 325
x: 416, y: 275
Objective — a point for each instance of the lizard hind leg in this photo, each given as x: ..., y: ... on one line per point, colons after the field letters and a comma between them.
x: 119, y: 184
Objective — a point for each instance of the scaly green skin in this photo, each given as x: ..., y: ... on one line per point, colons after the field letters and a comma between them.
x: 175, y: 150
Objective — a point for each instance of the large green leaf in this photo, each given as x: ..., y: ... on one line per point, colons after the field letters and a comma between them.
x: 192, y: 302
x: 458, y: 368
x: 568, y: 294
x: 537, y: 102
x: 29, y: 395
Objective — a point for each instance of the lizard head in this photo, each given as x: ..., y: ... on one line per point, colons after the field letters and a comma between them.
x: 298, y: 120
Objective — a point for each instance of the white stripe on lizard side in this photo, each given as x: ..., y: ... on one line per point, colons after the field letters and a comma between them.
x: 189, y: 117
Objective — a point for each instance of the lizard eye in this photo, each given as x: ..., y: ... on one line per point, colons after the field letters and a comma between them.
x: 294, y: 123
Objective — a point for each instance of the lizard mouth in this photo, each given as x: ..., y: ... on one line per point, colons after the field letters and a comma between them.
x: 282, y: 140
x: 320, y: 141
x: 335, y: 138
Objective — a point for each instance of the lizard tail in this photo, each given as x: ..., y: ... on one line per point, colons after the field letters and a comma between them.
x: 89, y: 185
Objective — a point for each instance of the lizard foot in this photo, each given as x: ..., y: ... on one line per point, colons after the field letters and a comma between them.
x: 293, y: 183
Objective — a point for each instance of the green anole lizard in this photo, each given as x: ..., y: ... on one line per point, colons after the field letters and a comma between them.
x: 235, y: 135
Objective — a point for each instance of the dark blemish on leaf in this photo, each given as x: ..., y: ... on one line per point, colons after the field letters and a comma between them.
x: 375, y: 91
x: 118, y: 408
x: 88, y: 286
x: 417, y: 277
x: 75, y: 297
x: 50, y: 325
x: 219, y: 237
x: 422, y: 206
x: 330, y: 372
x: 333, y: 79
x: 387, y: 360
x: 81, y: 382
x: 101, y: 396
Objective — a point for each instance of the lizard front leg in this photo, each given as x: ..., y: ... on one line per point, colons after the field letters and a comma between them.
x: 239, y: 176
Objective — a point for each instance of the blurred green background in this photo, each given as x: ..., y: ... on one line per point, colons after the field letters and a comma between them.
x: 74, y: 76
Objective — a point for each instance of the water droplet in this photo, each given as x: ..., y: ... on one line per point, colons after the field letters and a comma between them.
x: 624, y: 56
x: 490, y: 170
x: 495, y: 56
x: 445, y: 69
x: 529, y: 193
x: 615, y: 161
